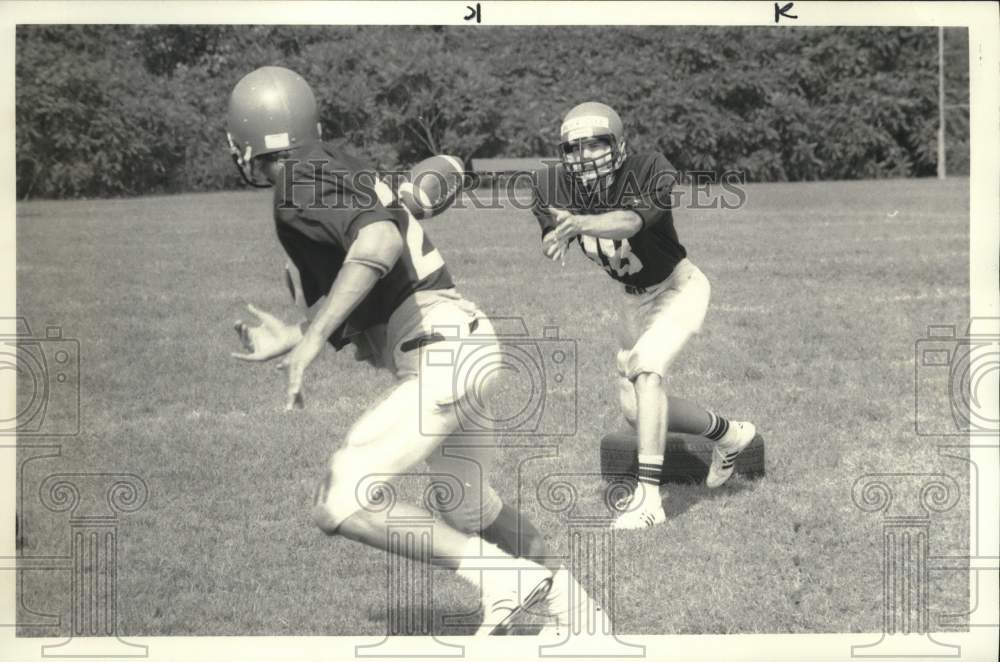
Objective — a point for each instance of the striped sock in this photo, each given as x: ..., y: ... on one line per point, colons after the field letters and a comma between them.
x: 717, y: 427
x: 651, y: 469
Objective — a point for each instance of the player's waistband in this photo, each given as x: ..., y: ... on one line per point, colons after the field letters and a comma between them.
x: 421, y: 341
x: 682, y: 266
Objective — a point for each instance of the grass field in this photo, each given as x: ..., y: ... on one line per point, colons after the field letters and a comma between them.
x: 819, y: 293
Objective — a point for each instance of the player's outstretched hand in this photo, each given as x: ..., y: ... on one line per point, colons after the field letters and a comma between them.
x: 559, y: 215
x: 265, y: 341
x: 296, y: 363
x: 567, y: 225
x: 554, y: 249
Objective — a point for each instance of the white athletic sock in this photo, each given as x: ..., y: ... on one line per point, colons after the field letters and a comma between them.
x: 718, y: 427
x: 737, y: 432
x: 650, y: 473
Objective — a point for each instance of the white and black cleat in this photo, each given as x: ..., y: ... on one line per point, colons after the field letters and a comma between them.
x: 741, y: 434
x: 501, y: 612
x: 642, y: 515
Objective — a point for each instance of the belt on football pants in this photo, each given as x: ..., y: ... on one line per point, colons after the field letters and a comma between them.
x: 421, y: 341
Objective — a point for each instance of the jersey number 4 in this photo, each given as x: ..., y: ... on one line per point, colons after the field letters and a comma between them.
x: 614, y: 255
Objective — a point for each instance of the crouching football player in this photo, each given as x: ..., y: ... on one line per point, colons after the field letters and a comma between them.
x: 616, y: 206
x: 387, y: 291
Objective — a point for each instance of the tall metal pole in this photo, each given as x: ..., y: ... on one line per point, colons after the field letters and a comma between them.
x: 941, y: 170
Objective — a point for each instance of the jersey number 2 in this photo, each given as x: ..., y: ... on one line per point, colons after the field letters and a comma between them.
x: 614, y: 255
x: 424, y: 264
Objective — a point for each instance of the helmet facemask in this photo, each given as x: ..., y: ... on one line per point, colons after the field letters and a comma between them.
x: 594, y: 160
x: 592, y: 144
x: 244, y: 162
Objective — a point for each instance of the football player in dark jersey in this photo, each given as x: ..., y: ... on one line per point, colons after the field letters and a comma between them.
x: 373, y: 278
x: 615, y: 205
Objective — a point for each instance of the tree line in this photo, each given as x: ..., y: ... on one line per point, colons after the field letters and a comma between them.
x: 104, y: 110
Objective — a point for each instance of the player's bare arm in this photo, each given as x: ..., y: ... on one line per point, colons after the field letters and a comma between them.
x: 371, y: 256
x: 615, y: 224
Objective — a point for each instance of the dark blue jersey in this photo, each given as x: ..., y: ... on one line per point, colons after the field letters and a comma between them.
x: 319, y: 209
x: 643, y: 184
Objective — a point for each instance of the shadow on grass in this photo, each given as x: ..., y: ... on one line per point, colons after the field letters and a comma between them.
x: 679, y: 498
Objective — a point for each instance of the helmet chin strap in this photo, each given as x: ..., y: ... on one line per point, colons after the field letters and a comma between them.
x: 599, y: 182
x: 244, y: 164
x: 248, y: 179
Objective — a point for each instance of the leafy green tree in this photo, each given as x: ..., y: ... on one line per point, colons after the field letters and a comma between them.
x: 129, y: 110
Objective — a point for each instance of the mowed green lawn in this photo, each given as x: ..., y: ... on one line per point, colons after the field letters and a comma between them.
x: 819, y: 293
